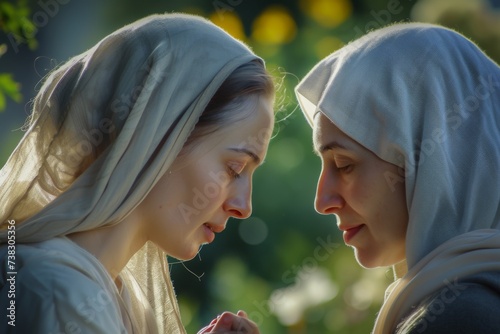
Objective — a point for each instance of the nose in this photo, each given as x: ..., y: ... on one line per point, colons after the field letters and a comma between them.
x: 239, y: 203
x: 328, y: 198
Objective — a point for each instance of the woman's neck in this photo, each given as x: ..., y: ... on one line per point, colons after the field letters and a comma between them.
x: 400, y: 269
x: 113, y: 246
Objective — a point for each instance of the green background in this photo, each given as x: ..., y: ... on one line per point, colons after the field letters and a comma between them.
x: 286, y: 265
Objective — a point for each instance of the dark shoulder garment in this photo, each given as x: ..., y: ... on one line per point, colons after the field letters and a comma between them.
x: 467, y: 306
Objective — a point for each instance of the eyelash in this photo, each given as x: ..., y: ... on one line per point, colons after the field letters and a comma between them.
x: 345, y: 169
x: 233, y: 173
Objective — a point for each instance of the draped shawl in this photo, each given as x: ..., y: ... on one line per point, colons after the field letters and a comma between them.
x: 427, y: 99
x: 131, y: 101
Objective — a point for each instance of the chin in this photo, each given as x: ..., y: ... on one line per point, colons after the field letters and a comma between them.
x: 187, y: 254
x: 366, y: 265
x: 368, y: 261
x: 371, y: 262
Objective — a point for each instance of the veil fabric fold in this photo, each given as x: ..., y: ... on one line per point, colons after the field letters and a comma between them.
x: 105, y: 127
x: 427, y: 99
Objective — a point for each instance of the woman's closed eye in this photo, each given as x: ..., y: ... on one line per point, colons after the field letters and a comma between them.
x: 343, y: 165
x: 235, y: 169
x: 345, y: 168
x: 233, y: 173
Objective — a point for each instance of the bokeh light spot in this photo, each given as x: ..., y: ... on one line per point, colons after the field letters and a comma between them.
x: 275, y: 25
x: 364, y: 292
x: 312, y: 288
x: 253, y: 231
x: 328, y: 13
x: 327, y: 45
x: 230, y: 22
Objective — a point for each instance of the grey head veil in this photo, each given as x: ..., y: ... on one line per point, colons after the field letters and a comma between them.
x: 105, y: 127
x: 425, y: 98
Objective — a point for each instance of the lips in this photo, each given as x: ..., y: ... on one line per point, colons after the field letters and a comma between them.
x: 216, y: 228
x: 209, y: 234
x: 211, y: 229
x: 350, y: 232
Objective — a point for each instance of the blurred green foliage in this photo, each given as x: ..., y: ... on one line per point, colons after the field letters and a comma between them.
x: 10, y: 88
x: 286, y: 265
x: 16, y: 22
x: 18, y: 27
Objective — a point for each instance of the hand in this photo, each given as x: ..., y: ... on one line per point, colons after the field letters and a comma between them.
x: 230, y: 323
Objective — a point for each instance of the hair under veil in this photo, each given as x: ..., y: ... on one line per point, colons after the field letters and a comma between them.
x: 424, y: 98
x: 105, y: 127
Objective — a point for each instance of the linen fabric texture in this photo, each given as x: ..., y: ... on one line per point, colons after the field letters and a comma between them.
x: 427, y: 99
x: 61, y: 288
x: 131, y: 101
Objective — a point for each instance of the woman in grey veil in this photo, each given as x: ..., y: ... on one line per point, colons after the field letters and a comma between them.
x: 141, y: 146
x: 406, y: 121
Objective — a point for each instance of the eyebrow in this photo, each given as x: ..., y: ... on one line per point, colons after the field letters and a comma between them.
x: 255, y: 157
x: 328, y: 147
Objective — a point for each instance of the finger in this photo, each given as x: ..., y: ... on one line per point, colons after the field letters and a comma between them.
x: 245, y: 325
x: 206, y: 329
x: 242, y: 313
x: 231, y: 322
x: 209, y: 327
x: 224, y: 322
x: 230, y: 332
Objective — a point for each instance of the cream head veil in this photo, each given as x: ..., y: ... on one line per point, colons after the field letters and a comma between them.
x: 425, y: 98
x: 131, y: 101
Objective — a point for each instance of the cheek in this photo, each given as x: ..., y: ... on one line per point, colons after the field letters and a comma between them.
x: 170, y: 201
x: 364, y: 194
x: 372, y: 195
x: 394, y: 210
x: 401, y: 214
x: 394, y: 186
x: 211, y: 194
x: 203, y: 192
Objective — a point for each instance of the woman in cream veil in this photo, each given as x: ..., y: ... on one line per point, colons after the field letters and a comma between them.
x: 406, y: 121
x: 103, y: 183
